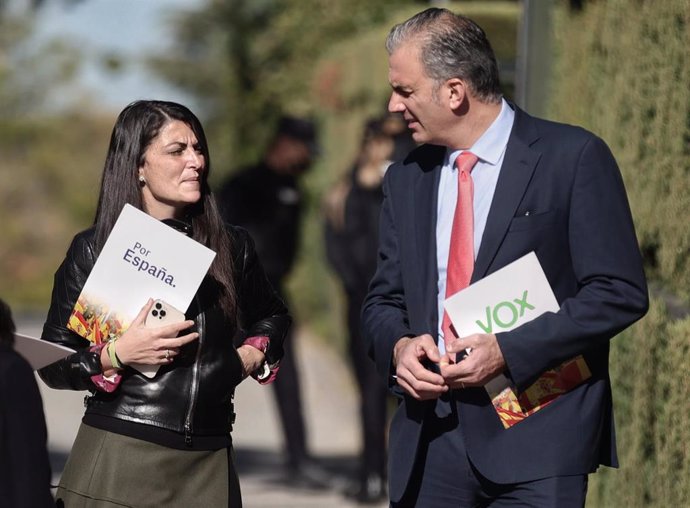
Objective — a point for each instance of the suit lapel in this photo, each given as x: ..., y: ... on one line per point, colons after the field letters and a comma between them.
x: 518, y: 166
x: 425, y: 207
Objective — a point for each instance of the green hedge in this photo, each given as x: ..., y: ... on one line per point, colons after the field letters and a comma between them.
x: 651, y: 386
x: 622, y: 70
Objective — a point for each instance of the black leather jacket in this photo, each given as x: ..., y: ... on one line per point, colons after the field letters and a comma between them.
x: 190, y: 399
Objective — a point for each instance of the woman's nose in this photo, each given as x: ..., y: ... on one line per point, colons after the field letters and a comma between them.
x: 196, y: 158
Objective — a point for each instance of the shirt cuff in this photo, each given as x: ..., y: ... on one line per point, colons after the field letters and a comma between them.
x: 266, y: 373
x: 102, y: 382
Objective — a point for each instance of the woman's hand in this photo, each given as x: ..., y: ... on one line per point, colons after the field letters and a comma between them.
x: 151, y: 346
x: 251, y: 359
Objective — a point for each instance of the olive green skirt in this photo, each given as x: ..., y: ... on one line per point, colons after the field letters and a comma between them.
x: 107, y: 470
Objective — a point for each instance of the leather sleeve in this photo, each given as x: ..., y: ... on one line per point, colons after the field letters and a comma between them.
x: 73, y: 372
x: 262, y: 312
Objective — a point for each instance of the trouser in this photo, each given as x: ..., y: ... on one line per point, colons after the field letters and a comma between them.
x: 372, y: 392
x: 444, y: 477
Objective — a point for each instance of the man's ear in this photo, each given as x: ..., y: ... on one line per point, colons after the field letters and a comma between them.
x: 457, y: 92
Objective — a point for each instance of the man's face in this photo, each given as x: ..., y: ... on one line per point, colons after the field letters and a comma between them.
x: 416, y: 96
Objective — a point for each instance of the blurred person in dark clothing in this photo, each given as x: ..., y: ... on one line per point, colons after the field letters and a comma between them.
x: 352, y: 209
x: 24, y: 466
x: 394, y: 125
x: 266, y: 200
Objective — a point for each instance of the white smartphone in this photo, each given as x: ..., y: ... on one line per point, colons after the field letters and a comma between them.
x: 161, y: 314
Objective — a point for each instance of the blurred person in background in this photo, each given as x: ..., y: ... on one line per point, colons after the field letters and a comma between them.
x: 163, y: 441
x: 266, y: 200
x: 393, y: 125
x: 489, y: 185
x: 352, y: 209
x: 24, y: 466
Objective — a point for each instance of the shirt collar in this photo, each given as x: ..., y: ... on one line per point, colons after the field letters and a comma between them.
x: 490, y: 146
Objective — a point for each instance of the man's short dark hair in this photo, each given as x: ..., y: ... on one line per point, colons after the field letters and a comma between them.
x: 451, y: 46
x: 7, y: 327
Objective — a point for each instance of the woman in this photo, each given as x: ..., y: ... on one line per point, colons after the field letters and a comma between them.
x: 352, y: 210
x: 163, y: 441
x: 351, y: 236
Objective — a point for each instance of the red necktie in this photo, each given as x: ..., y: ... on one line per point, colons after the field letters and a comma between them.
x: 461, y: 252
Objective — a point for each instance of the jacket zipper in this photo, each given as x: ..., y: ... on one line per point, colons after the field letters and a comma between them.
x: 195, y: 380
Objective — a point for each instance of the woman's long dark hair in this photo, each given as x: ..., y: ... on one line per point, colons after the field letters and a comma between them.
x: 136, y: 126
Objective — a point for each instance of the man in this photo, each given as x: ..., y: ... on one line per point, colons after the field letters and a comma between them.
x: 267, y: 201
x: 538, y: 186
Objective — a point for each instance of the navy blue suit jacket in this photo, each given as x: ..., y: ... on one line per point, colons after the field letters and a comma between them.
x: 560, y: 194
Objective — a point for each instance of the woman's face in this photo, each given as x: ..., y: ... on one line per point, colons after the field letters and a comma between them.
x: 173, y: 169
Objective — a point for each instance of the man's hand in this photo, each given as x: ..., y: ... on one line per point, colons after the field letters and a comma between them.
x: 484, y: 362
x: 413, y: 377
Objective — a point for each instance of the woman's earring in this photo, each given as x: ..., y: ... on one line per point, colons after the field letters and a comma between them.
x: 142, y: 180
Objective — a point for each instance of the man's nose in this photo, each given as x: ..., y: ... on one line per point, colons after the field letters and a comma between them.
x: 395, y: 105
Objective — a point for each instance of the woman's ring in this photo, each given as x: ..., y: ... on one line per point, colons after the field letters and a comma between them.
x: 167, y: 354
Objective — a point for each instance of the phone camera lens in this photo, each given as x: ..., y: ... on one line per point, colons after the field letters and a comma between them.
x: 158, y: 306
x: 162, y: 314
x: 154, y: 313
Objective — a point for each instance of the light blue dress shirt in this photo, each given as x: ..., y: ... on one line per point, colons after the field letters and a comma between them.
x: 490, y: 148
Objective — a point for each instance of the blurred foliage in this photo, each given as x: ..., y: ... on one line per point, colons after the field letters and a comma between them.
x: 622, y: 71
x: 48, y: 192
x: 250, y: 60
x: 48, y: 181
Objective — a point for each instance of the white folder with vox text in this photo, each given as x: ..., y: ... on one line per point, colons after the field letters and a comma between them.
x: 502, y: 301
